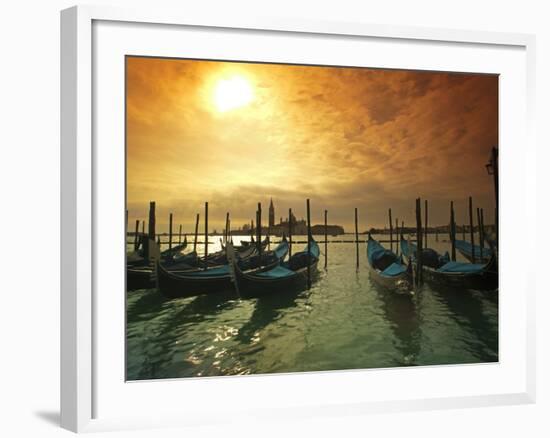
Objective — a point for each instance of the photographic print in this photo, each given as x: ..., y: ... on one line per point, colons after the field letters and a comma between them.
x: 295, y: 218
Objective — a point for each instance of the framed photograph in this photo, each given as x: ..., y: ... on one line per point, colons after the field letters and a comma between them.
x: 266, y: 218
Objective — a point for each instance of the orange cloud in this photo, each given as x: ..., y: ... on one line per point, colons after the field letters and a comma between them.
x: 345, y: 137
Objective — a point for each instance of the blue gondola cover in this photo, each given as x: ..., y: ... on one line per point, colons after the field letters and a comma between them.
x: 460, y: 267
x: 466, y: 247
x: 394, y: 270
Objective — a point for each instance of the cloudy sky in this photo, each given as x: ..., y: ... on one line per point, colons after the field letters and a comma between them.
x: 236, y: 134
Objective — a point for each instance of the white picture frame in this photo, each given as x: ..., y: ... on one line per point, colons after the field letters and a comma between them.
x: 86, y: 378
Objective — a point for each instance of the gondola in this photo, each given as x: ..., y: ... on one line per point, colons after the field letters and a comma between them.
x: 139, y: 259
x: 285, y: 276
x: 387, y: 269
x: 139, y: 270
x: 220, y: 257
x: 175, y: 250
x: 245, y: 243
x: 139, y: 275
x: 481, y: 255
x: 180, y: 284
x: 439, y: 270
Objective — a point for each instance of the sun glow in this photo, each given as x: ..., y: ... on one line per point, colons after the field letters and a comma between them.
x: 232, y: 93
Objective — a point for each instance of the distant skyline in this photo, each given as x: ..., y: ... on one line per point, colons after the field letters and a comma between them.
x: 236, y: 134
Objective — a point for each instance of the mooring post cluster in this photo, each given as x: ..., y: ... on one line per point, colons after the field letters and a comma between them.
x: 395, y: 230
x: 419, y: 242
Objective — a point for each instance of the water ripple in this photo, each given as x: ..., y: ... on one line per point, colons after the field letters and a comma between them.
x: 343, y: 322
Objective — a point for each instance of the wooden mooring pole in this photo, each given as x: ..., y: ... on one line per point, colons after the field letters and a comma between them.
x: 470, y: 208
x: 453, y: 233
x: 391, y: 229
x: 425, y: 223
x: 482, y: 230
x: 226, y: 233
x: 480, y: 234
x: 136, y: 236
x: 229, y: 238
x: 326, y: 240
x: 419, y: 242
x: 152, y: 220
x: 170, y: 234
x: 150, y: 230
x: 397, y: 236
x: 356, y: 241
x: 308, y: 245
x: 290, y: 232
x: 179, y: 239
x: 205, y: 233
x: 196, y: 233
x: 257, y: 233
x: 259, y: 226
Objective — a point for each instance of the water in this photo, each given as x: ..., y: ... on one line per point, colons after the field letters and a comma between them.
x: 344, y: 321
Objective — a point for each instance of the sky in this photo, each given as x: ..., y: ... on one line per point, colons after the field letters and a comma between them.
x: 235, y: 134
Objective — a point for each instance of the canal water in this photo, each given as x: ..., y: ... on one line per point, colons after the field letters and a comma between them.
x: 345, y: 321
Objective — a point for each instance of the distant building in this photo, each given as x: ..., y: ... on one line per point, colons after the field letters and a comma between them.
x: 332, y: 230
x: 299, y: 227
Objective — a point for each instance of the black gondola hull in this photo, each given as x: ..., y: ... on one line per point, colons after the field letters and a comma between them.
x: 485, y: 280
x: 182, y: 286
x: 252, y: 286
x: 142, y: 277
x: 139, y: 279
x: 482, y: 281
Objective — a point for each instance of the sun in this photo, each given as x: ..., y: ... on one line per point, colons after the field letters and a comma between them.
x: 231, y: 93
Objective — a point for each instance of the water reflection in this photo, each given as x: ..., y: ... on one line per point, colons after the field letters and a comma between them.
x: 400, y: 312
x: 267, y: 309
x: 474, y: 311
x: 344, y: 322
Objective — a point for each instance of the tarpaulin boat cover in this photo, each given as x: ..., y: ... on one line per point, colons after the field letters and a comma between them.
x: 394, y: 270
x: 281, y: 249
x: 466, y: 247
x: 297, y: 261
x: 383, y: 259
x: 277, y: 272
x: 459, y: 267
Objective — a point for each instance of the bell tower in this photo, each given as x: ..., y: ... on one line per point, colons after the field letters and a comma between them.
x: 271, y: 214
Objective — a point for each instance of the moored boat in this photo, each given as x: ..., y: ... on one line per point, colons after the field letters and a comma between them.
x: 140, y: 275
x: 387, y: 268
x: 283, y: 277
x: 139, y: 258
x: 439, y: 270
x: 179, y: 284
x: 481, y: 255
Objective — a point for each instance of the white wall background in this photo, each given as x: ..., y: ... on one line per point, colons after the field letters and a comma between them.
x: 29, y: 189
